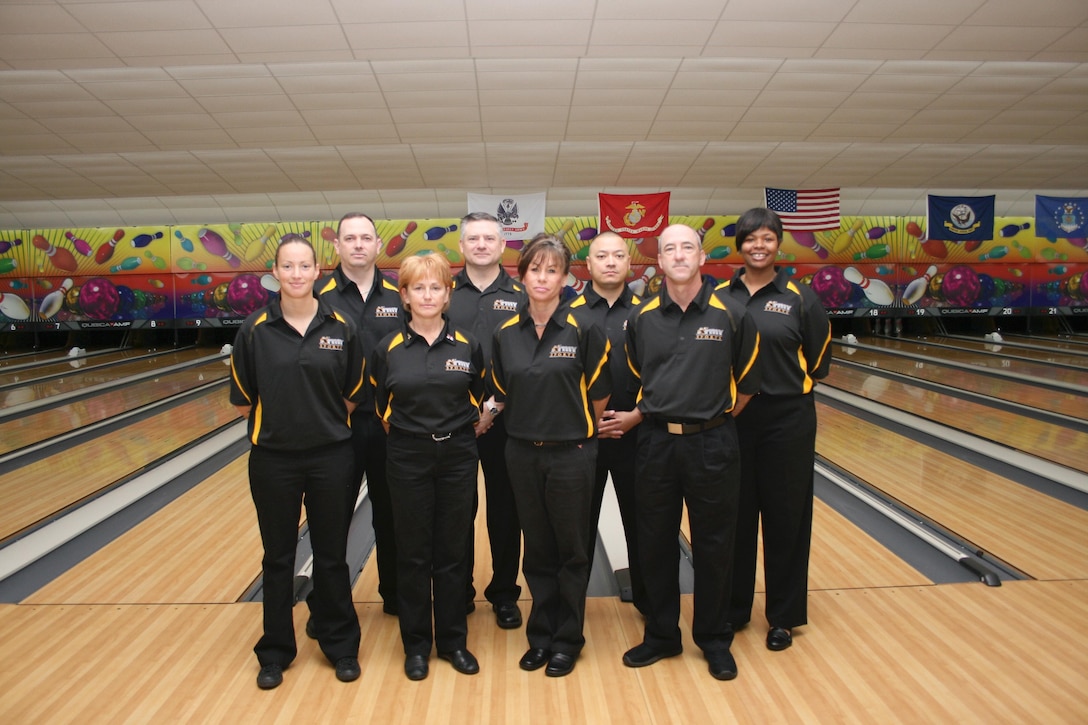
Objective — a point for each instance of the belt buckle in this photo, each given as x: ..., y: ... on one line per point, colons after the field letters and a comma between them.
x: 538, y: 444
x: 676, y: 429
x: 438, y: 439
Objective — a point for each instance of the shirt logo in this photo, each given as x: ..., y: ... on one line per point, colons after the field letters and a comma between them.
x: 458, y: 366
x: 505, y: 305
x: 710, y: 333
x: 780, y: 308
x: 568, y: 352
x: 381, y: 311
x: 330, y: 343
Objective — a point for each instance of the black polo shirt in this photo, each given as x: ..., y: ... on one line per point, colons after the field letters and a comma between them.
x: 482, y: 311
x: 549, y: 383
x: 376, y: 317
x: 691, y: 363
x: 591, y: 308
x: 423, y: 388
x: 794, y: 332
x: 297, y: 383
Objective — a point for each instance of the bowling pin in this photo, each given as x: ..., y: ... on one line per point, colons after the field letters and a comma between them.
x: 270, y: 283
x: 6, y: 246
x: 254, y: 249
x: 80, y: 245
x: 584, y: 235
x: 106, y: 250
x: 638, y: 286
x: 62, y: 258
x: 876, y: 251
x: 877, y: 232
x: 917, y: 288
x: 396, y: 244
x: 876, y: 291
x: 7, y: 264
x: 995, y: 253
x: 845, y: 239
x: 155, y: 259
x: 13, y: 306
x: 435, y: 233
x: 578, y: 285
x: 216, y: 245
x: 808, y: 239
x: 1011, y: 230
x: 720, y: 252
x: 142, y: 240
x: 562, y: 231
x: 54, y: 300
x: 186, y: 243
x: 453, y: 256
x: 126, y: 264
x: 729, y: 230
x: 705, y: 228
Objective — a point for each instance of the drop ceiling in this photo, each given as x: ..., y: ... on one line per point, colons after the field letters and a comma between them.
x: 200, y: 111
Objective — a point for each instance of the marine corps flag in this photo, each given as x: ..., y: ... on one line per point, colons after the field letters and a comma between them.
x: 520, y: 215
x: 960, y: 218
x: 634, y: 216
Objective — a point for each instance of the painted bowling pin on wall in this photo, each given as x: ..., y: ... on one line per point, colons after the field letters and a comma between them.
x: 875, y: 290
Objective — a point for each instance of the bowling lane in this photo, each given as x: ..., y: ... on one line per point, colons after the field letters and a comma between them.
x: 99, y: 375
x: 1048, y: 441
x: 40, y: 426
x: 983, y: 360
x: 55, y: 365
x: 1065, y: 403
x: 1035, y: 533
x: 1065, y: 344
x: 202, y: 547
x: 21, y: 358
x: 38, y: 490
x: 1025, y: 352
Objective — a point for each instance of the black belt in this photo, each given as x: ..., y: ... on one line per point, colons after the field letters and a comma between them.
x: 437, y: 437
x: 549, y: 444
x: 686, y: 429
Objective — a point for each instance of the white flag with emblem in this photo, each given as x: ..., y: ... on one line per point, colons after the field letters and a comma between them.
x: 520, y: 215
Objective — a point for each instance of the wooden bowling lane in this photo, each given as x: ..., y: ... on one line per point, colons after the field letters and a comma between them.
x: 54, y: 365
x: 1067, y: 403
x: 35, y: 427
x: 1051, y: 342
x: 981, y: 360
x: 82, y: 379
x: 38, y: 490
x: 1035, y: 533
x: 1049, y: 441
x: 203, y: 547
x: 32, y: 357
x: 1016, y: 352
x: 963, y: 653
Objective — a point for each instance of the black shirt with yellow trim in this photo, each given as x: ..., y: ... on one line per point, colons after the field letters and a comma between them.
x: 591, y: 308
x: 296, y: 383
x: 794, y: 332
x: 692, y: 363
x: 422, y: 388
x: 482, y: 311
x: 549, y: 383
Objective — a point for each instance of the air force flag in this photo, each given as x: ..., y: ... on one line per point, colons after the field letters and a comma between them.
x: 520, y: 215
x: 960, y: 218
x: 1059, y: 217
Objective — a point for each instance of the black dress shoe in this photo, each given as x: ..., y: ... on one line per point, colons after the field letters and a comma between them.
x: 415, y: 666
x: 269, y: 677
x: 347, y: 669
x: 470, y: 607
x: 779, y: 639
x: 560, y: 665
x: 507, y: 615
x: 534, y: 659
x: 390, y: 608
x: 462, y: 660
x: 643, y: 655
x: 722, y: 665
x: 311, y: 628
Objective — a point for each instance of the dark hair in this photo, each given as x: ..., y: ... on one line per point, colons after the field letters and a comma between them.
x: 354, y: 215
x: 477, y: 216
x: 293, y: 238
x: 755, y: 219
x: 543, y: 245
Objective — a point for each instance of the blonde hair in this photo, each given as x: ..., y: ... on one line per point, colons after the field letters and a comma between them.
x: 424, y: 266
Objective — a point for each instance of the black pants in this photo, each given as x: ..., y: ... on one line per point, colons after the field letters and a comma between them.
x: 617, y: 456
x: 368, y: 438
x: 777, y: 451
x: 503, y: 527
x: 432, y: 484
x: 280, y: 481
x: 704, y: 470
x: 553, y: 487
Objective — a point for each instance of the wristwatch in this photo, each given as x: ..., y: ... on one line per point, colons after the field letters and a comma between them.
x: 492, y: 408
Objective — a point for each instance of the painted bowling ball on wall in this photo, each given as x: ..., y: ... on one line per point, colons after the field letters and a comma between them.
x: 245, y: 294
x: 99, y: 299
x: 833, y: 289
x: 960, y: 286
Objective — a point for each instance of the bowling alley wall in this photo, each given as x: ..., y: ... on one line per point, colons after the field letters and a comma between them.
x: 194, y: 276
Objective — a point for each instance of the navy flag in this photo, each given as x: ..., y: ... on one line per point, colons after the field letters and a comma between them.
x: 960, y: 218
x: 1061, y: 217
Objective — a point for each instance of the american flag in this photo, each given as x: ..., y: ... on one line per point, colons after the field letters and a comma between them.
x: 808, y: 210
